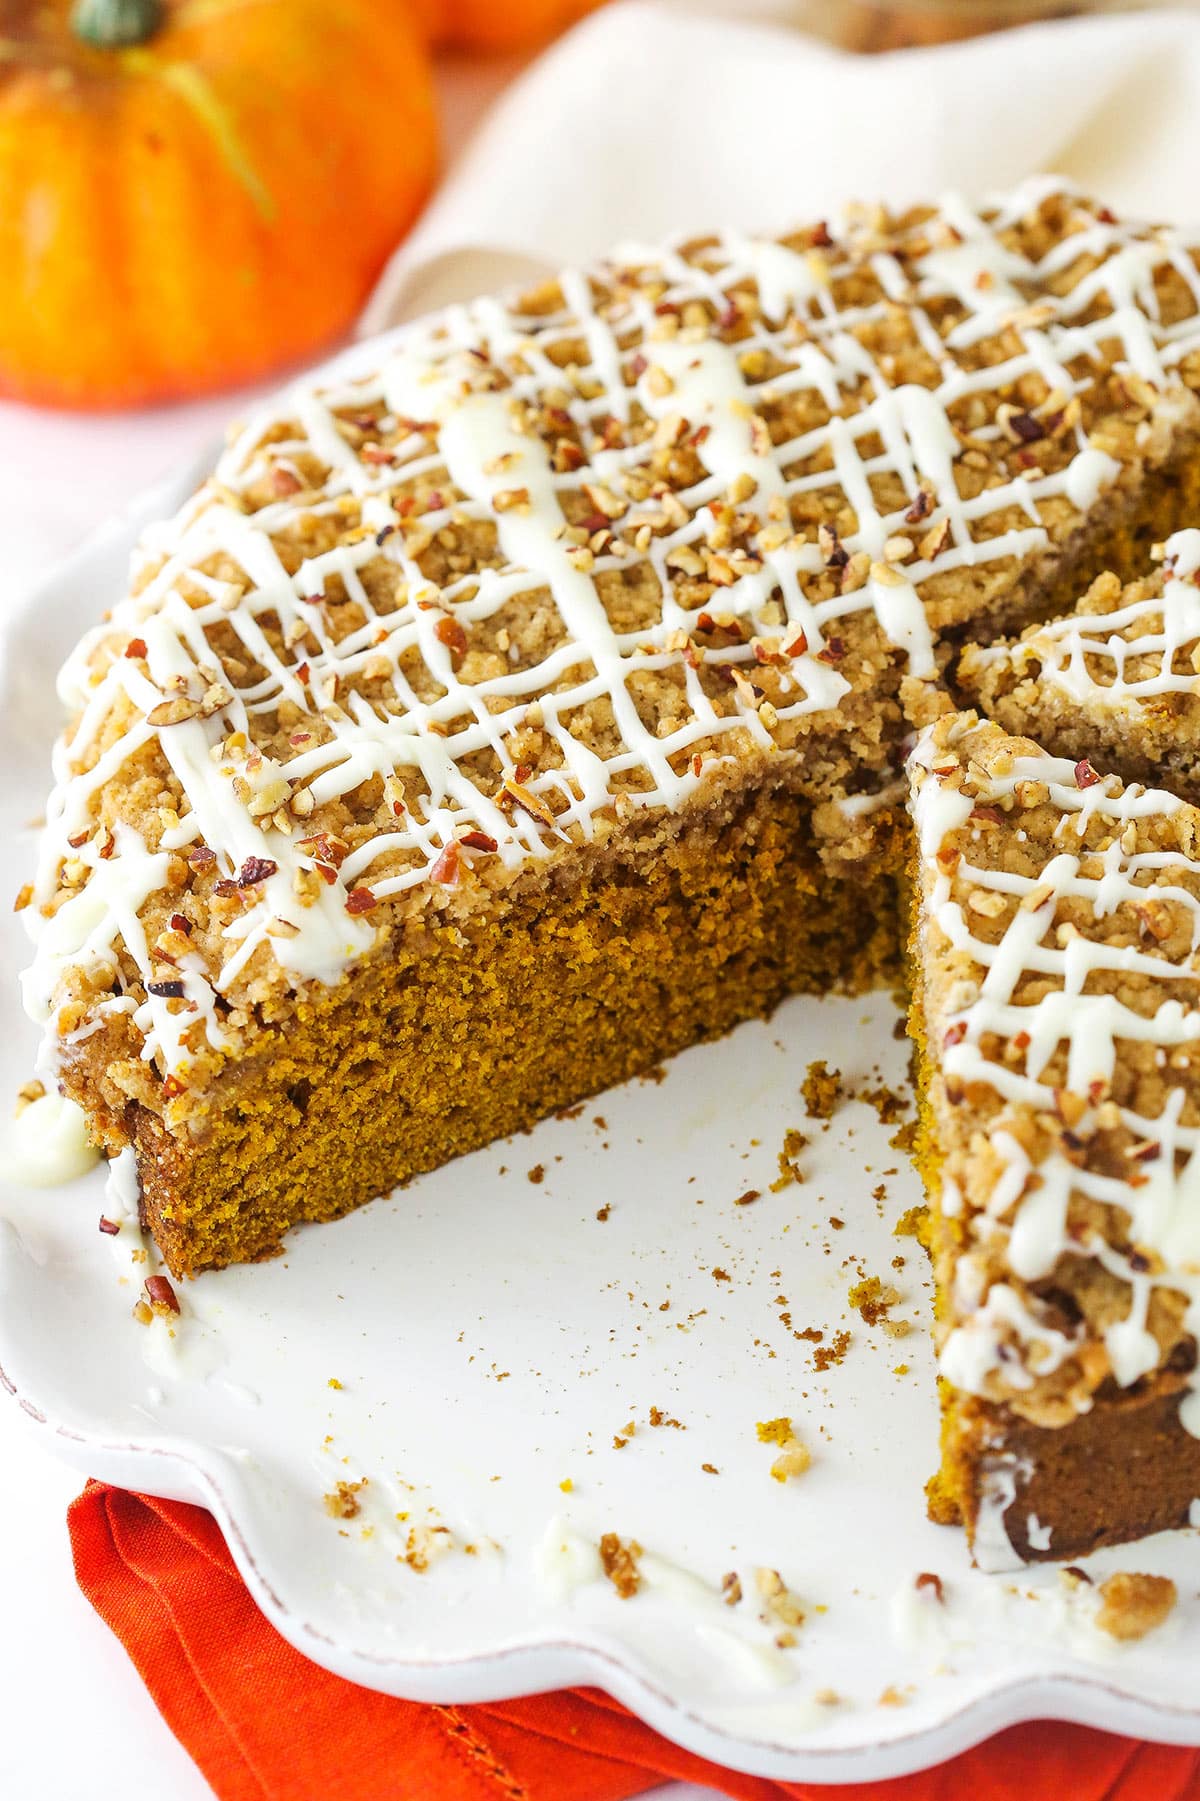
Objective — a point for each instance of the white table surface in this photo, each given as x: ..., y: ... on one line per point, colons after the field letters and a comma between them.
x: 58, y: 1663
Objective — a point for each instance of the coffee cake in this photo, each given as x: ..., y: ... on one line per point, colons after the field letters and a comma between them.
x: 499, y: 720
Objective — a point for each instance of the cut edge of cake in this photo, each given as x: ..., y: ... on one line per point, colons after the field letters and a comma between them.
x: 1117, y: 677
x: 1056, y: 1017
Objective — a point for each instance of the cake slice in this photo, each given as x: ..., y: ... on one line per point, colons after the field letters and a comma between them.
x: 1056, y: 1010
x: 497, y: 722
x: 1117, y: 678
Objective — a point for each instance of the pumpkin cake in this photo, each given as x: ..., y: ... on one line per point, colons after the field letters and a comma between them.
x: 497, y: 722
x: 1056, y: 1007
x: 1119, y: 677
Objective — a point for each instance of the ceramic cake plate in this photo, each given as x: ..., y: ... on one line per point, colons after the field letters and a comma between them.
x: 416, y: 1427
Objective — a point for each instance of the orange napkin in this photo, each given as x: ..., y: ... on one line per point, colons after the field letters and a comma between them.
x: 264, y: 1724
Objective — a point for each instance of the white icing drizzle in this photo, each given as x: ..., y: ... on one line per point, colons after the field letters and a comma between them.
x: 997, y: 1333
x: 991, y: 1547
x: 872, y: 800
x: 1039, y: 1536
x: 467, y: 371
x: 1115, y: 661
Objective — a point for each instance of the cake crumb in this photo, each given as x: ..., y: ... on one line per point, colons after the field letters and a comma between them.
x: 794, y: 1456
x: 537, y: 1173
x: 334, y: 1383
x: 567, y: 1486
x: 27, y: 1093
x: 342, y: 1502
x: 821, y: 1089
x: 905, y: 1138
x: 1131, y: 1604
x: 424, y: 1545
x: 731, y: 1588
x: 789, y: 1169
x: 779, y: 1602
x: 745, y: 1200
x: 826, y: 1356
x: 871, y: 1298
x: 793, y: 1460
x: 888, y: 1103
x: 619, y: 1561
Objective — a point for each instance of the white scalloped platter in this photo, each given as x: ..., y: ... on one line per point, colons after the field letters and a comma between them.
x: 475, y: 1349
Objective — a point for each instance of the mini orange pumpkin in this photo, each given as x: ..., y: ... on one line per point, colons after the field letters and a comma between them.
x: 195, y: 192
x: 499, y: 24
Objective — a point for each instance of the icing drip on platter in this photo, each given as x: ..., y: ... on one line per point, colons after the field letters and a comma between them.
x: 48, y: 1143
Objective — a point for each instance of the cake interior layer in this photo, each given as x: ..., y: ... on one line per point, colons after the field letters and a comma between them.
x: 949, y: 1488
x: 1113, y: 743
x: 590, y: 975
x: 1124, y: 1470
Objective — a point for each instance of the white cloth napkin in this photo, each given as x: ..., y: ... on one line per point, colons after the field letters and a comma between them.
x: 647, y: 120
x: 650, y: 119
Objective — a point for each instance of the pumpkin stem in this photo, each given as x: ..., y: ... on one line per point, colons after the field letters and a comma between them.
x: 116, y: 24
